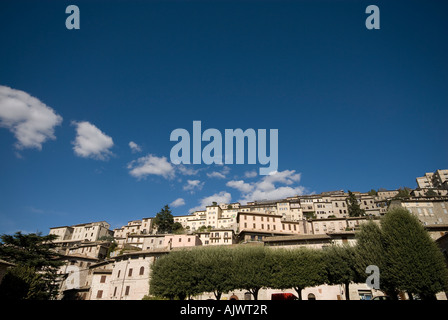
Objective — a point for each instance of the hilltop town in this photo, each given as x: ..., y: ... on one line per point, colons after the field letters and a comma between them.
x: 105, y: 264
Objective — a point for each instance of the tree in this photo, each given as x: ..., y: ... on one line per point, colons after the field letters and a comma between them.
x: 32, y: 253
x: 431, y: 193
x: 340, y: 266
x: 164, y: 220
x: 215, y: 265
x: 370, y: 250
x: 372, y: 192
x: 23, y: 283
x: 250, y: 268
x: 354, y: 209
x: 175, y: 275
x: 177, y: 228
x: 297, y: 268
x: 413, y: 260
x: 403, y: 193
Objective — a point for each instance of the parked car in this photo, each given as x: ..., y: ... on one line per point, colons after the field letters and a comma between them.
x: 382, y: 298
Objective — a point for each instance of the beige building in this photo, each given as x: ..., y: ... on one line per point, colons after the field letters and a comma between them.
x: 428, y: 211
x: 69, y: 236
x: 126, y: 277
x: 435, y: 179
x: 216, y: 237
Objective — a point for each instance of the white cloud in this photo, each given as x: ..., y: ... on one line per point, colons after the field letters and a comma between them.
x: 219, y: 198
x: 31, y: 121
x: 134, y: 147
x: 268, y: 187
x: 221, y: 175
x: 250, y: 174
x: 274, y: 194
x: 240, y: 185
x: 216, y: 174
x: 91, y: 142
x: 193, y: 185
x: 177, y: 203
x: 151, y: 165
x: 188, y: 171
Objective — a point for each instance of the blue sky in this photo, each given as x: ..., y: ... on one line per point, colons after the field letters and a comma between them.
x: 355, y: 108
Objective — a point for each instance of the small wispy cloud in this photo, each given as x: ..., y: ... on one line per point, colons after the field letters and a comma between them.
x: 151, y: 165
x: 134, y: 147
x: 222, y: 174
x: 250, y: 174
x: 91, y: 142
x: 193, y: 185
x: 177, y: 203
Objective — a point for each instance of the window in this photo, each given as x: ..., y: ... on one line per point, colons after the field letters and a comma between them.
x: 115, y: 291
x: 119, y: 271
x: 99, y: 294
x: 142, y: 271
x: 130, y: 272
x: 103, y: 279
x: 365, y: 295
x: 128, y: 288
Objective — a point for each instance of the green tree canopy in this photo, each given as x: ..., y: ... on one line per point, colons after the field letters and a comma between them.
x: 251, y: 268
x: 297, y: 268
x: 175, y: 275
x: 354, y: 209
x: 340, y: 266
x: 215, y: 266
x: 370, y: 250
x: 414, y: 262
x: 31, y: 253
x: 164, y: 220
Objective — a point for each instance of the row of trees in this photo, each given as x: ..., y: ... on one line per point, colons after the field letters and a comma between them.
x: 408, y: 260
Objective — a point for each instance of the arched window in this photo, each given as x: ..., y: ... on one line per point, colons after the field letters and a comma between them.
x: 142, y: 270
x: 311, y: 297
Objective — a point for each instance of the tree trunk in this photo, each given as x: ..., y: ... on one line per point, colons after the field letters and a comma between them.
x: 299, y: 293
x: 347, y: 292
x: 411, y: 297
x: 218, y: 295
x: 255, y: 293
